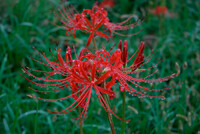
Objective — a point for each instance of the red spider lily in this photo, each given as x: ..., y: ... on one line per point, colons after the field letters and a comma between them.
x: 160, y: 10
x: 114, y: 69
x: 98, y: 72
x: 121, y: 74
x: 107, y: 3
x: 80, y: 75
x: 93, y: 21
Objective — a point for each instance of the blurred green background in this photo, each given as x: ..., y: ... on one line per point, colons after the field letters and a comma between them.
x: 175, y: 36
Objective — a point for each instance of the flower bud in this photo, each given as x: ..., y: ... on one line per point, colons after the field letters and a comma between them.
x: 125, y: 52
x: 120, y: 45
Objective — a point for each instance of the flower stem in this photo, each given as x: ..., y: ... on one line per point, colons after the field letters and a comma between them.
x: 94, y: 43
x: 106, y: 100
x: 109, y: 115
x: 123, y: 110
x: 123, y: 113
x: 80, y: 122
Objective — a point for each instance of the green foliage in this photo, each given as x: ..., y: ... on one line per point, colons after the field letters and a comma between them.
x: 24, y: 24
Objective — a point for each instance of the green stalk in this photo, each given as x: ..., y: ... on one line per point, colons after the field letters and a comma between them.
x: 80, y: 122
x: 36, y: 118
x: 123, y: 114
x: 94, y: 43
x: 109, y: 114
x: 106, y: 100
x: 123, y: 111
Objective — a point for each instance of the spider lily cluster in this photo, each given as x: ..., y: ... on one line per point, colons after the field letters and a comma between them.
x: 97, y: 25
x: 98, y: 71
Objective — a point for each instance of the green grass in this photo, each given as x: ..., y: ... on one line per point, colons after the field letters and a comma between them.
x: 23, y: 24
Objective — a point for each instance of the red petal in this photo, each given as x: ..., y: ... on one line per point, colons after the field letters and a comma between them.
x: 105, y: 91
x: 101, y: 34
x: 90, y: 39
x: 60, y: 57
x: 120, y: 45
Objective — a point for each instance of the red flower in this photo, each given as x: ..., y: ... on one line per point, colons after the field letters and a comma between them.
x: 114, y: 69
x: 98, y: 72
x: 107, y: 3
x: 80, y: 75
x: 122, y: 76
x: 160, y: 10
x: 93, y: 21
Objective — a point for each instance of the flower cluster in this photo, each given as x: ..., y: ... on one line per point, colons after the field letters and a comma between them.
x: 99, y: 72
x: 93, y: 21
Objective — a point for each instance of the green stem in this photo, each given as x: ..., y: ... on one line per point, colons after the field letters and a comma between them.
x: 94, y: 43
x: 123, y: 109
x: 123, y: 113
x: 80, y: 122
x: 36, y: 118
x: 109, y: 114
x: 106, y: 100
